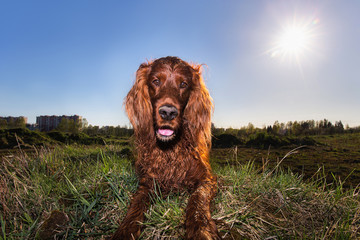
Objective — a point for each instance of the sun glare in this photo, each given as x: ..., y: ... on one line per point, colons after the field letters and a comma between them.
x: 295, y: 41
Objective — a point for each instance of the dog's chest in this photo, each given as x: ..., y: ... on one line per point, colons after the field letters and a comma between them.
x: 170, y: 170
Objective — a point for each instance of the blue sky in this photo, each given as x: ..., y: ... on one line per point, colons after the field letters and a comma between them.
x: 80, y: 57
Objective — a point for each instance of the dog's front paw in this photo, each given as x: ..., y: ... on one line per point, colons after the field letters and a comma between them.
x: 202, y: 232
x: 130, y: 232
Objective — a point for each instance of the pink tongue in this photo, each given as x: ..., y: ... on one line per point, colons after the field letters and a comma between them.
x: 166, y: 132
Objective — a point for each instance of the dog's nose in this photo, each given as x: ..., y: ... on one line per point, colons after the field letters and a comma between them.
x: 168, y: 112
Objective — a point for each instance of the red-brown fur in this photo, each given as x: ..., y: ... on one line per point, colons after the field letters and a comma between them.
x: 180, y: 162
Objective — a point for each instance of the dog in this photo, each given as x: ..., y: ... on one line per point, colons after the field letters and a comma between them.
x: 170, y: 109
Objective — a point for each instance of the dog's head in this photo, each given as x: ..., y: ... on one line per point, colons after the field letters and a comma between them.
x: 167, y: 94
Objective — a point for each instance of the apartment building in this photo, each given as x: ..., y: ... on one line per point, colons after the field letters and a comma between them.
x: 47, y: 123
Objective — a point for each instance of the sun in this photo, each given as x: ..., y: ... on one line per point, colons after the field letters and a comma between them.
x: 295, y: 41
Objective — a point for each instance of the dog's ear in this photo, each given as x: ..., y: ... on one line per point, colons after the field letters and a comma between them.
x: 199, y: 109
x: 138, y: 105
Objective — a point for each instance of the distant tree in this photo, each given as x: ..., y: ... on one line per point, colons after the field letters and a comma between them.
x: 19, y: 122
x: 69, y: 125
x: 3, y: 124
x: 63, y: 125
x: 311, y: 124
x: 276, y: 127
x: 241, y: 133
x: 282, y: 130
x: 111, y: 131
x: 84, y: 123
x: 213, y: 127
x: 305, y: 126
x: 250, y: 129
x: 324, y: 124
x: 289, y: 127
x: 96, y: 130
x: 231, y: 131
x: 217, y: 131
x: 329, y: 124
x: 269, y: 129
x: 11, y: 123
x: 339, y: 127
x: 117, y: 131
x: 296, y: 128
x: 123, y: 131
x: 90, y: 130
x: 75, y: 126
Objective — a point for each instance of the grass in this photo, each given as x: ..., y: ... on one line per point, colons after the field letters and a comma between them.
x: 338, y: 154
x: 88, y: 188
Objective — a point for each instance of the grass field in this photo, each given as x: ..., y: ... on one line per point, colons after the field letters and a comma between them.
x: 87, y: 190
x: 337, y: 156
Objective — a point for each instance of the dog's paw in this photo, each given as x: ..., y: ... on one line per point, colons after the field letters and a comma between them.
x: 126, y: 233
x: 209, y: 232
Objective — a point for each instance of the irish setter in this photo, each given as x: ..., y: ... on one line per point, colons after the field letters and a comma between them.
x: 170, y: 110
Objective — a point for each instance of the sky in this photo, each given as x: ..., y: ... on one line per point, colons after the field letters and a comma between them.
x: 266, y: 60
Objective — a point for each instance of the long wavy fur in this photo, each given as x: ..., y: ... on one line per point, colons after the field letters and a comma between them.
x: 182, y: 163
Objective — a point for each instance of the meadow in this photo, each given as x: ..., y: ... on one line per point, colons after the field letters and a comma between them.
x: 77, y: 191
x: 336, y: 156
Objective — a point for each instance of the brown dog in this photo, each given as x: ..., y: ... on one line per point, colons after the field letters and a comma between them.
x: 170, y: 110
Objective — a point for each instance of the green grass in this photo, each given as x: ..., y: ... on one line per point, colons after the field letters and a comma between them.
x: 88, y: 188
x: 27, y: 139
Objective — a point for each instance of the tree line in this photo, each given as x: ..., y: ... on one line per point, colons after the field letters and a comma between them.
x: 9, y: 123
x: 117, y: 131
x: 296, y: 128
x: 71, y: 126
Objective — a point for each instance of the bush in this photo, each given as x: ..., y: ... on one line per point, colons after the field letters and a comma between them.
x: 225, y: 141
x: 11, y: 138
x: 309, y: 141
x: 70, y: 138
x: 58, y: 136
x: 264, y: 140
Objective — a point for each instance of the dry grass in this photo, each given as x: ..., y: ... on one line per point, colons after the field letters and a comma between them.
x: 89, y: 189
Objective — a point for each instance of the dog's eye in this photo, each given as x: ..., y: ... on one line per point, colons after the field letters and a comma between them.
x: 156, y: 82
x: 183, y: 85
